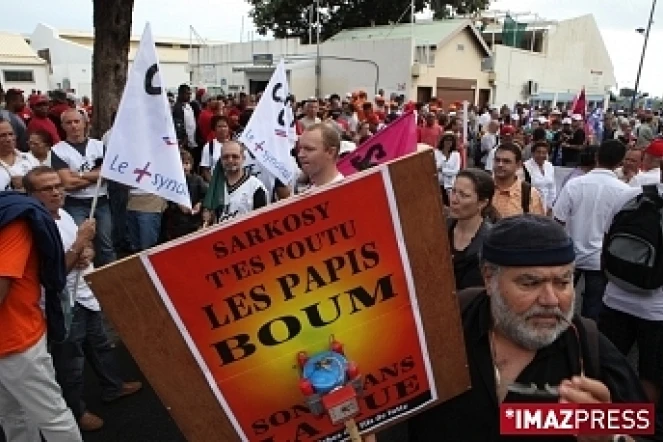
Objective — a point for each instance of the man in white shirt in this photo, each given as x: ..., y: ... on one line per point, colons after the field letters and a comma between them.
x: 319, y: 147
x: 651, y: 165
x: 87, y: 337
x: 77, y: 159
x: 489, y: 142
x: 584, y: 206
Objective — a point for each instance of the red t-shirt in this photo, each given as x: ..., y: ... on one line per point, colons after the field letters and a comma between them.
x: 44, y: 124
x: 204, y: 122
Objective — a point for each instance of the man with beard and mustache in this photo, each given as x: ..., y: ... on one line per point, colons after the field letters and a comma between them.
x: 521, y: 331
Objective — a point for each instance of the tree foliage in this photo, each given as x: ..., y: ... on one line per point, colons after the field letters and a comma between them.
x: 291, y: 18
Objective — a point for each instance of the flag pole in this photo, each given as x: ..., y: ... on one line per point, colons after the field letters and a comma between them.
x: 93, y: 207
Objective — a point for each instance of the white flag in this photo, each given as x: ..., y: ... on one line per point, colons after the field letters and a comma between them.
x: 142, y: 151
x: 270, y: 133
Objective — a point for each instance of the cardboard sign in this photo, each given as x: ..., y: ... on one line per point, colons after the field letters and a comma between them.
x: 365, y: 262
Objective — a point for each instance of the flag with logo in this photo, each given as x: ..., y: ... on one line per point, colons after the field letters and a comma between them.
x: 394, y: 141
x: 270, y: 134
x: 142, y: 150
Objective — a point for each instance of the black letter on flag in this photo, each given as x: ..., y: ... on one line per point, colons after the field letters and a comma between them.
x: 150, y: 89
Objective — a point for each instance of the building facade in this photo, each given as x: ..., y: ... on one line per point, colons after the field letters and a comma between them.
x: 20, y: 66
x: 450, y: 59
x: 549, y: 63
x: 69, y: 56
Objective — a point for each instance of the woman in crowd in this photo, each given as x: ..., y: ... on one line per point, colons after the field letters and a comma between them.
x: 447, y: 160
x: 14, y: 164
x: 471, y: 213
x: 40, y: 143
x: 542, y: 174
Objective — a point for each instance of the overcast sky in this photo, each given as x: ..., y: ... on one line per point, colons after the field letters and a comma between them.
x: 222, y: 20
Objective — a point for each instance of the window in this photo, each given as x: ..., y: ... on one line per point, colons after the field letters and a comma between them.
x: 19, y: 76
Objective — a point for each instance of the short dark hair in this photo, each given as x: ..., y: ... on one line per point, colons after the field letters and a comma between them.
x: 216, y: 119
x: 540, y: 143
x: 539, y: 134
x: 510, y: 147
x: 11, y: 94
x: 611, y: 153
x: 45, y: 136
x: 28, y: 183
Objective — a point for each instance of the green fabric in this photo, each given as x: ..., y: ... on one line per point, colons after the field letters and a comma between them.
x: 214, y: 198
x: 513, y: 32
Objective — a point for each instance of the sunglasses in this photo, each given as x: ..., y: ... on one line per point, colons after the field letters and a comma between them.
x: 547, y: 392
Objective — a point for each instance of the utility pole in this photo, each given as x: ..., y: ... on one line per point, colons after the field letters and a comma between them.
x: 318, y: 59
x: 642, y: 57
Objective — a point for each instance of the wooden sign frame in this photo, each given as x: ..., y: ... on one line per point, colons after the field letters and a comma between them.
x: 134, y: 306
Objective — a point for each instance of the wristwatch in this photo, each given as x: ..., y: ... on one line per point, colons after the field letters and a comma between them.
x: 80, y: 174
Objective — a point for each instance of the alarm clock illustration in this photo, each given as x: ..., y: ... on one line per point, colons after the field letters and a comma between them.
x: 331, y: 384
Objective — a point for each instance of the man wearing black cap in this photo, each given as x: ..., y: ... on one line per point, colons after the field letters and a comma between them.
x: 518, y: 332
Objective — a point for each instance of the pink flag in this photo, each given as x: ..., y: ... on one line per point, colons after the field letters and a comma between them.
x: 396, y: 140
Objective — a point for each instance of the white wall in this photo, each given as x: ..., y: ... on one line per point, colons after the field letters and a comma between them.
x: 73, y: 61
x: 574, y: 56
x: 40, y: 76
x: 338, y: 76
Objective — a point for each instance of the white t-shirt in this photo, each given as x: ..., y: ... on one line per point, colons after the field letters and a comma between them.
x: 189, y: 124
x: 447, y: 168
x: 206, y: 160
x: 84, y: 295
x: 47, y: 161
x: 644, y: 178
x: 647, y: 306
x: 23, y: 164
x: 80, y: 162
x: 544, y: 181
x: 490, y: 159
x: 238, y: 200
x: 586, y: 205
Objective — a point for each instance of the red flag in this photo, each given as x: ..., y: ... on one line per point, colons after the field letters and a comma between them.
x: 580, y: 104
x: 396, y: 140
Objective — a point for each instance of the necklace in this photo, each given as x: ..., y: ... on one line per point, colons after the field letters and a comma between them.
x: 498, y: 377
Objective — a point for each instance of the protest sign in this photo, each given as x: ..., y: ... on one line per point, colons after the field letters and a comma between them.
x: 229, y: 309
x: 142, y: 151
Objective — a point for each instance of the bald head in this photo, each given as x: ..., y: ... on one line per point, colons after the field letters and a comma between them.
x: 232, y: 158
x: 73, y: 124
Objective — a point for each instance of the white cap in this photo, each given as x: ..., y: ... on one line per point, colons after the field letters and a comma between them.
x: 576, y: 117
x: 556, y: 112
x: 348, y: 95
x: 452, y: 114
x: 327, y: 97
x: 543, y: 120
x: 347, y: 147
x: 515, y: 117
x: 566, y: 120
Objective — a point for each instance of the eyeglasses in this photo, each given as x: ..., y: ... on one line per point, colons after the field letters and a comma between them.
x: 548, y: 392
x: 51, y: 189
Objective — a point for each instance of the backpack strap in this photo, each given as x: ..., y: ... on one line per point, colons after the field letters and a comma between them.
x: 525, y: 195
x: 210, y: 147
x: 592, y: 341
x: 466, y: 296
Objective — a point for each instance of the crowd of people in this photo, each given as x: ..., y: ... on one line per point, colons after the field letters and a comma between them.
x: 513, y: 229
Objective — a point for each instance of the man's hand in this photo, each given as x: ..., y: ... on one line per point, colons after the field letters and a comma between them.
x: 370, y: 438
x: 85, y: 259
x: 207, y: 216
x: 87, y: 230
x: 582, y: 390
x: 196, y: 209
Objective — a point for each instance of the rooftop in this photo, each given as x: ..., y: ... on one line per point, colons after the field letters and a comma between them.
x: 15, y: 50
x: 424, y: 32
x: 70, y: 33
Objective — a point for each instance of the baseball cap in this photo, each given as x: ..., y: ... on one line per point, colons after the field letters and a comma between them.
x: 576, y: 117
x: 655, y: 148
x: 507, y: 130
x: 566, y: 120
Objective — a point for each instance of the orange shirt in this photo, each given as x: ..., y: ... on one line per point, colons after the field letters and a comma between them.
x: 508, y: 202
x: 21, y: 319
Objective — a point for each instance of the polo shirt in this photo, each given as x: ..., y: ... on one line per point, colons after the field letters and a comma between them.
x: 508, y: 202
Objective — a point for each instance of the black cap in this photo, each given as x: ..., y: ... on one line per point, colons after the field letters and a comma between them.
x: 528, y: 241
